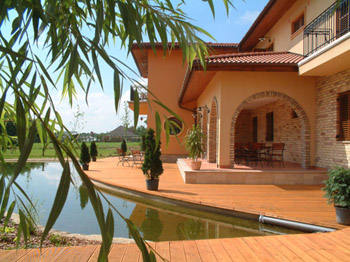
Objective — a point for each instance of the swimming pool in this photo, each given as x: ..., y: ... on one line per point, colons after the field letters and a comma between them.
x: 156, y: 221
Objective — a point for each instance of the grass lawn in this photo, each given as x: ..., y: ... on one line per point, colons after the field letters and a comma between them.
x: 105, y: 149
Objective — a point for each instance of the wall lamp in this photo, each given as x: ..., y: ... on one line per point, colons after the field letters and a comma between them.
x: 202, y: 108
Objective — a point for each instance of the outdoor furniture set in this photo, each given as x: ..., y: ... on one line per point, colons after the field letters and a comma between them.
x: 259, y: 153
x: 136, y: 158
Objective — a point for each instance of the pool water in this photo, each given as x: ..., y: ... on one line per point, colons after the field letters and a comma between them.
x: 156, y: 221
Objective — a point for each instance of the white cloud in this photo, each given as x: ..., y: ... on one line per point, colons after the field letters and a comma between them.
x: 99, y: 114
x: 247, y: 18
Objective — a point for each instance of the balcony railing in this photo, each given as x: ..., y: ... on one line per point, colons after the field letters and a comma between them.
x: 142, y: 95
x: 327, y: 27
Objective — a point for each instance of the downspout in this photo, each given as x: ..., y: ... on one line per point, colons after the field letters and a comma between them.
x: 187, y: 78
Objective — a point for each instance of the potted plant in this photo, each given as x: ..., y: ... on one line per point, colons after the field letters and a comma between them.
x: 143, y: 143
x: 84, y: 156
x: 338, y: 192
x: 123, y: 147
x: 152, y: 166
x: 93, y: 151
x: 193, y: 145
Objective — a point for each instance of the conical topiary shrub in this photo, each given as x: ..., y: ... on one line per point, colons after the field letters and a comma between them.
x: 84, y: 156
x: 123, y: 147
x: 143, y: 143
x: 152, y: 166
x: 93, y: 151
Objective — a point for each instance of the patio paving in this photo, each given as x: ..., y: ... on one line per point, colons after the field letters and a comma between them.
x: 302, y: 203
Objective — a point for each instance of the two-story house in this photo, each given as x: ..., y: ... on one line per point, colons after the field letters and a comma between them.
x: 288, y: 81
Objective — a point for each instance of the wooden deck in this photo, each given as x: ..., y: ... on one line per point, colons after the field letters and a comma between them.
x: 303, y: 203
x: 317, y: 247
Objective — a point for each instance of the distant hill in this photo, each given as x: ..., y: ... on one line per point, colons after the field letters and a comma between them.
x: 119, y: 131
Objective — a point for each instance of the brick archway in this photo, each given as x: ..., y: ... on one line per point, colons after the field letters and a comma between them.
x: 304, y: 121
x: 204, y: 126
x: 213, y: 132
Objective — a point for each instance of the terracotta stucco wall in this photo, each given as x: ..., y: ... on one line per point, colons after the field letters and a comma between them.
x: 329, y: 151
x: 235, y: 87
x: 165, y: 77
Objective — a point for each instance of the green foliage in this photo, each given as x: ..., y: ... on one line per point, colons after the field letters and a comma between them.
x: 193, y: 142
x: 124, y: 147
x: 93, y: 149
x: 84, y: 154
x: 152, y: 166
x: 58, y: 240
x: 338, y: 187
x: 84, y: 196
x: 143, y: 143
x: 74, y: 37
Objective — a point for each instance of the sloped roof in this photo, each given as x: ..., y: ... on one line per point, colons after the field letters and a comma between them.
x: 119, y: 131
x: 140, y: 52
x: 196, y: 78
x: 256, y: 58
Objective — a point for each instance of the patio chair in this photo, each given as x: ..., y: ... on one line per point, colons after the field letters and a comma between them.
x: 255, y: 153
x: 276, y: 153
x: 122, y: 158
x: 137, y: 158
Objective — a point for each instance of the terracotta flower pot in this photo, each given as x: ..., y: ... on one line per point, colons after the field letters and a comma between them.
x: 196, y: 165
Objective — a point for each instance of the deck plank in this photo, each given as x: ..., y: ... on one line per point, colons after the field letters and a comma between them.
x: 265, y: 246
x: 117, y: 252
x: 222, y: 254
x: 33, y: 255
x: 13, y: 255
x: 177, y: 252
x: 163, y: 249
x: 132, y: 253
x: 245, y: 250
x: 205, y: 252
x: 191, y: 251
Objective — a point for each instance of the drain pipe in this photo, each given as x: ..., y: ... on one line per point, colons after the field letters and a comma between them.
x: 293, y: 225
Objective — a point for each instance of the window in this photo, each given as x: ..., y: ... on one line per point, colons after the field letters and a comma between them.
x: 255, y: 129
x: 270, y: 47
x: 342, y: 18
x: 269, y: 126
x: 175, y: 126
x: 298, y: 23
x: 343, y: 116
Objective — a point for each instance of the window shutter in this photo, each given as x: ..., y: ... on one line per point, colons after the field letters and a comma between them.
x: 269, y: 126
x: 342, y: 19
x: 343, y: 101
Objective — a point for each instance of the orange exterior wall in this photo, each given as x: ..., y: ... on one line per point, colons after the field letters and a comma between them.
x: 165, y: 77
x: 232, y: 88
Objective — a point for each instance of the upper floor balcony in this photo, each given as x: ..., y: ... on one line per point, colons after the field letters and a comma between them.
x: 142, y: 101
x: 327, y: 42
x: 329, y: 26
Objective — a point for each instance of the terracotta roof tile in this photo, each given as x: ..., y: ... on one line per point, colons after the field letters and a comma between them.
x: 256, y: 58
x: 217, y: 45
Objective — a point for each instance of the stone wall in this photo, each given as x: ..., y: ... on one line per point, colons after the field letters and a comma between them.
x: 329, y: 151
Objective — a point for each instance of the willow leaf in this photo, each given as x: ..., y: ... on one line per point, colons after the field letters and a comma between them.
x: 136, y: 107
x: 60, y: 199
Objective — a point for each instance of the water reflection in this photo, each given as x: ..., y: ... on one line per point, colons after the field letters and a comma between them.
x: 40, y: 181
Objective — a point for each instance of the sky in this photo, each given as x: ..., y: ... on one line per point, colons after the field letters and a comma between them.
x: 99, y: 113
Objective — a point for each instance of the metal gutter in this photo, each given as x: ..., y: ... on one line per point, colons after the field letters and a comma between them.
x: 293, y: 225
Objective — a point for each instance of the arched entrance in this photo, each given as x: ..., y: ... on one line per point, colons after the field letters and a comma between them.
x: 213, y: 143
x: 304, y: 126
x: 204, y: 126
